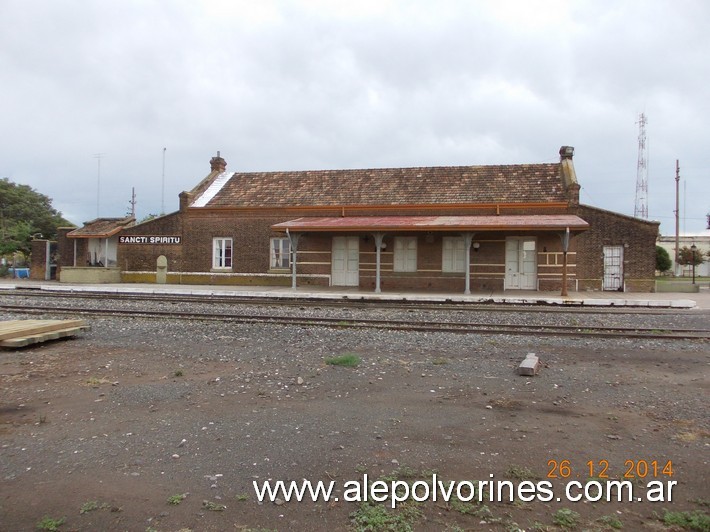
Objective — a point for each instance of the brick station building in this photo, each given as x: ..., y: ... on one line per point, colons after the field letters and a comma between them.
x: 457, y: 229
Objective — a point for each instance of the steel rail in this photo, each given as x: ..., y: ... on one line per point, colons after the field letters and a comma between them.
x: 397, y: 325
x: 276, y: 300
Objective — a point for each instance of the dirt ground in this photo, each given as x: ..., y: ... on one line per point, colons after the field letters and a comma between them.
x: 102, y: 430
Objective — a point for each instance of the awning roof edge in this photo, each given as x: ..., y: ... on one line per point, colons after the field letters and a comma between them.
x: 96, y: 235
x: 521, y: 222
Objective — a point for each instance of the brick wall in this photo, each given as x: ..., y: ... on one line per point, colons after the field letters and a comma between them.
x: 38, y: 260
x: 251, y: 231
x: 67, y: 248
x: 638, y: 237
x: 250, y: 235
x: 143, y: 257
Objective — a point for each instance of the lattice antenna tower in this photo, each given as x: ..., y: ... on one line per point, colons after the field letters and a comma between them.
x: 641, y: 205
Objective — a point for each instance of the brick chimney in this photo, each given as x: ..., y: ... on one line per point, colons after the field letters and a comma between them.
x: 217, y: 164
x: 566, y: 152
x: 569, y: 176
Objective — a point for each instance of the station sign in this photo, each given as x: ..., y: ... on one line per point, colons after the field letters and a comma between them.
x: 149, y: 239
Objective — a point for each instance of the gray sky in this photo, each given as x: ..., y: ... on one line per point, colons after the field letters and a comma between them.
x: 296, y: 85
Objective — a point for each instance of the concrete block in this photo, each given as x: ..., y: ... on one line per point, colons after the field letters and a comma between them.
x: 530, y: 365
x: 161, y: 274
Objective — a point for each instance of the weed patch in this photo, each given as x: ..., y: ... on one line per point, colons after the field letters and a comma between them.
x: 213, y: 506
x: 369, y: 517
x: 51, y: 524
x: 520, y: 473
x: 611, y: 521
x: 696, y: 520
x: 90, y: 506
x: 566, y: 518
x: 348, y: 360
x: 176, y: 499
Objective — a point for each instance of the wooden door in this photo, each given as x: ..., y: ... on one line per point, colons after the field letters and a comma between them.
x: 346, y: 261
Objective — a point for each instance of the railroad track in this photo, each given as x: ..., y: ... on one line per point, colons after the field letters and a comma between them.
x: 387, y: 324
x: 329, y: 303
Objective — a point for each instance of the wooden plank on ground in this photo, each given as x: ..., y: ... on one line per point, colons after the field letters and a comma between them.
x: 42, y: 337
x: 26, y: 328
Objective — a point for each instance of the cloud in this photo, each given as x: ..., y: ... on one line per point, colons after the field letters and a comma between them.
x: 318, y: 84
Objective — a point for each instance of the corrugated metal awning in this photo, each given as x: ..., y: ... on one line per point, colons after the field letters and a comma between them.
x: 521, y: 222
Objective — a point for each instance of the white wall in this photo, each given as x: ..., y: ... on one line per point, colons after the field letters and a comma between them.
x: 701, y: 241
x: 98, y: 250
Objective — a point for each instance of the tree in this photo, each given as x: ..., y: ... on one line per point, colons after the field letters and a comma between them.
x: 663, y: 260
x: 688, y: 257
x: 25, y: 212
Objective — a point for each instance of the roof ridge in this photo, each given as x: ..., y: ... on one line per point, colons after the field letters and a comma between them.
x: 396, y: 168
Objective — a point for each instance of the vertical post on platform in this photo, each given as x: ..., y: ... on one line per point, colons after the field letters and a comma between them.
x: 565, y: 247
x: 293, y: 239
x: 467, y: 239
x: 379, y: 237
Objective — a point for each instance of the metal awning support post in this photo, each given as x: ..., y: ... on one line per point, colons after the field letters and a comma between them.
x: 564, y: 237
x: 74, y: 252
x: 293, y: 239
x: 379, y: 237
x: 467, y: 239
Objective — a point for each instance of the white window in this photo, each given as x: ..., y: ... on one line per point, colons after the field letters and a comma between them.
x: 405, y: 254
x: 221, y: 253
x: 453, y: 254
x: 280, y: 252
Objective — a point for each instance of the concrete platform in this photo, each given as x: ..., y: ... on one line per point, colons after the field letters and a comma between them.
x: 700, y: 300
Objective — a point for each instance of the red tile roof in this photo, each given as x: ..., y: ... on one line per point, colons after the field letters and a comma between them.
x: 531, y: 222
x: 525, y: 183
x: 102, y: 227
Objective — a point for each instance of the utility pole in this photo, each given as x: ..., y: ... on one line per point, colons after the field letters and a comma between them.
x: 98, y: 157
x: 162, y: 195
x: 677, y: 215
x: 133, y: 202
